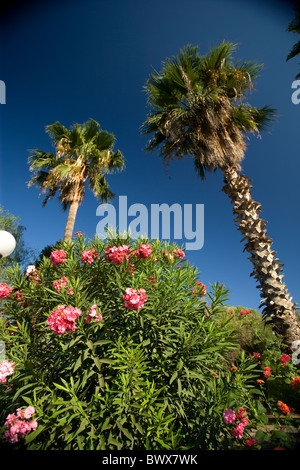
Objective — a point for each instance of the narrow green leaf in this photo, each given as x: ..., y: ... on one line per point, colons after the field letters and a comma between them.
x: 174, y: 376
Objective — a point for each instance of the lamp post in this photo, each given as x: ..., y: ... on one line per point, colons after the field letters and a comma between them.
x: 7, y: 243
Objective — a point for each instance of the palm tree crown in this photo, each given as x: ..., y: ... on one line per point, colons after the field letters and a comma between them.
x: 294, y: 27
x: 83, y: 152
x: 197, y: 108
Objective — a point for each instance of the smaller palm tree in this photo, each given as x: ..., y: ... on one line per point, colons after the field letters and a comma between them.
x: 82, y: 153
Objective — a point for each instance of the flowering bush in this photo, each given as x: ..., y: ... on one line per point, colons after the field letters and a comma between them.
x: 116, y: 346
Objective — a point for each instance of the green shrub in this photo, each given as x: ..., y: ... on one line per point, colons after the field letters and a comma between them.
x: 100, y: 374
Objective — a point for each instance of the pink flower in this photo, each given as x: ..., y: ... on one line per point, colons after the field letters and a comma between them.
x: 18, y: 425
x: 144, y: 251
x: 134, y: 300
x: 58, y: 285
x: 10, y: 419
x: 168, y: 256
x: 267, y: 372
x: 93, y: 313
x: 6, y: 369
x: 238, y: 431
x: 89, y: 256
x: 5, y: 290
x: 201, y: 289
x: 27, y: 413
x: 251, y: 442
x: 284, y: 359
x: 240, y: 413
x: 178, y: 254
x: 229, y: 416
x: 30, y: 269
x: 78, y: 234
x: 116, y: 254
x: 62, y: 320
x: 58, y: 257
x: 244, y: 312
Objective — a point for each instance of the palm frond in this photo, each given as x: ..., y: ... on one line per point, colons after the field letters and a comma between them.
x: 252, y: 119
x: 91, y: 130
x: 104, y: 140
x: 99, y: 185
x: 57, y: 131
x: 41, y: 159
x: 294, y: 51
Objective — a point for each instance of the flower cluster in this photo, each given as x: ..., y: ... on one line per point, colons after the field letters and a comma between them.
x: 244, y: 312
x: 284, y: 408
x: 62, y: 320
x: 134, y: 300
x: 58, y: 257
x: 30, y: 269
x: 144, y: 251
x: 63, y: 282
x: 116, y: 254
x: 169, y: 256
x: 6, y: 369
x: 229, y: 416
x: 89, y: 256
x: 201, y: 289
x: 284, y: 359
x: 178, y: 254
x: 93, y: 313
x: 239, y: 418
x: 295, y: 382
x: 5, y: 290
x: 18, y: 424
x: 267, y: 372
x: 251, y: 442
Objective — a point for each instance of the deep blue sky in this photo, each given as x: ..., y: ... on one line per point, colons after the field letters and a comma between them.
x: 74, y: 60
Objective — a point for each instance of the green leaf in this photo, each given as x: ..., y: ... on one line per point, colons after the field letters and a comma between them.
x: 32, y: 435
x: 179, y: 386
x: 106, y: 360
x: 256, y: 391
x: 22, y: 389
x: 174, y: 376
x: 100, y: 342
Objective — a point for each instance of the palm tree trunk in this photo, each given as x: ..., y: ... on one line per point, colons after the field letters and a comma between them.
x: 278, y: 309
x: 71, y: 220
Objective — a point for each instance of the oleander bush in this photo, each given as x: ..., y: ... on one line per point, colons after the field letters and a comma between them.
x: 117, y: 344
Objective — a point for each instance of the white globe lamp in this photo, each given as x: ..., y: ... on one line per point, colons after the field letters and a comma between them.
x: 7, y: 243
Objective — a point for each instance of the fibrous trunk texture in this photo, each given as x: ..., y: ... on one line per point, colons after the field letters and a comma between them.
x: 71, y: 220
x: 279, y: 308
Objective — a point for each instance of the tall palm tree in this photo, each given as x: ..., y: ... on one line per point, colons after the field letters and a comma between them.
x: 294, y: 27
x: 83, y: 152
x: 197, y: 109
